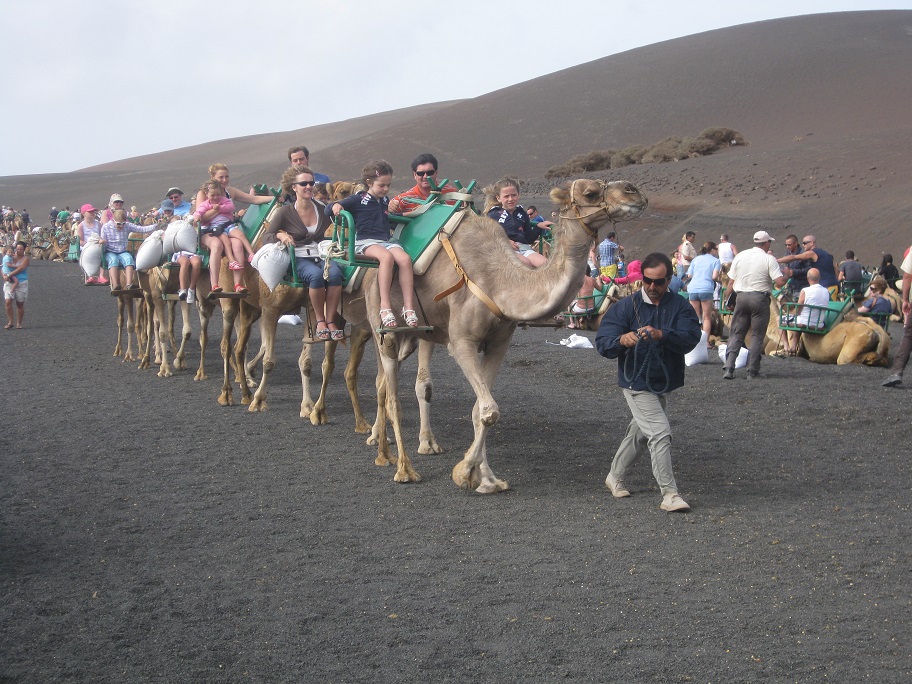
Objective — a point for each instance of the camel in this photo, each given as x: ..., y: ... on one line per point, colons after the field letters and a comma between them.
x: 855, y: 339
x: 478, y: 333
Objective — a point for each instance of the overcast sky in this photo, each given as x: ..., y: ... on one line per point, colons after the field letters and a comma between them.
x: 87, y: 82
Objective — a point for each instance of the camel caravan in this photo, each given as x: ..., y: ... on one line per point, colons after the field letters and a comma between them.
x: 469, y: 287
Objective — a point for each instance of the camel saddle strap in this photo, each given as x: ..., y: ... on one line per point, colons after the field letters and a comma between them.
x: 464, y: 280
x: 444, y: 198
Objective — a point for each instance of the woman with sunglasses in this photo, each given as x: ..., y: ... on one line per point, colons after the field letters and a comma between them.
x: 303, y: 225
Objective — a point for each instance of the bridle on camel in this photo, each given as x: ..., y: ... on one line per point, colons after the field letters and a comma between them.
x: 476, y: 290
x: 603, y: 206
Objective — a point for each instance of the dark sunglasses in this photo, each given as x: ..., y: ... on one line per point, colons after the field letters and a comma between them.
x: 806, y: 242
x: 174, y: 197
x: 656, y: 281
x: 120, y: 224
x: 422, y: 174
x: 306, y: 184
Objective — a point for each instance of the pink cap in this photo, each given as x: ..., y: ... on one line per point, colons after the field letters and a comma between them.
x: 87, y: 207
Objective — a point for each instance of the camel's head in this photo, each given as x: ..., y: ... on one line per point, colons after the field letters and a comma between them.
x: 596, y: 202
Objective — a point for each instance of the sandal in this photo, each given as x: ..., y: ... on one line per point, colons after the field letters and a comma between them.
x: 250, y: 258
x: 387, y: 318
x: 410, y: 318
x: 215, y: 289
x: 337, y: 334
x: 235, y: 266
x: 240, y: 289
x: 322, y: 333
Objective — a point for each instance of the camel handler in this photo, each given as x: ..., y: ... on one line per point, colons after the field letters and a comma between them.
x: 649, y: 332
x: 753, y: 274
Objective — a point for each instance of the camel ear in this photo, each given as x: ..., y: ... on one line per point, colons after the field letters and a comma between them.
x: 561, y: 195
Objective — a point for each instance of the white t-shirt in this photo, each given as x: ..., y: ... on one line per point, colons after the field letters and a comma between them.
x: 815, y: 295
x: 907, y: 263
x: 753, y: 270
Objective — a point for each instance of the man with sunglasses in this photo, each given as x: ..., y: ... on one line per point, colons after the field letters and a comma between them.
x: 753, y: 274
x: 649, y: 332
x: 424, y: 167
x: 181, y: 206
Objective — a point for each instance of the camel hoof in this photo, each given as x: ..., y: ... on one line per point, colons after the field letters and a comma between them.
x: 489, y: 415
x: 256, y: 406
x: 319, y: 417
x: 466, y: 477
x: 385, y: 460
x: 129, y: 357
x: 407, y: 476
x: 362, y: 427
x: 492, y: 487
x: 165, y: 372
x: 226, y: 399
x: 200, y: 375
x: 143, y: 364
x: 429, y: 446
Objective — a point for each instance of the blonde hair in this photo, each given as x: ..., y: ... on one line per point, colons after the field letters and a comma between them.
x: 205, y: 187
x: 120, y: 216
x: 291, y: 175
x: 215, y: 168
x: 492, y: 192
x: 880, y: 283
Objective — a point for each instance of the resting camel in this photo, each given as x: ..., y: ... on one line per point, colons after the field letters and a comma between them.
x: 478, y: 333
x: 855, y: 339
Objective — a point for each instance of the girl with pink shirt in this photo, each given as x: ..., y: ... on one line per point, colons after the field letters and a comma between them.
x: 214, y: 214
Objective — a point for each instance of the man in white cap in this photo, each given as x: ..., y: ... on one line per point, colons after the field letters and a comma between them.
x: 753, y: 272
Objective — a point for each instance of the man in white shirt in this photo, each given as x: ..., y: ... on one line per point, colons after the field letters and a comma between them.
x: 753, y: 272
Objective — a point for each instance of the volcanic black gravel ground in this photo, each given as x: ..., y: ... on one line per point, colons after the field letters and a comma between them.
x: 150, y: 535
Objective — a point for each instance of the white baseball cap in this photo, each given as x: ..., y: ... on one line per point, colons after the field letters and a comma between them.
x: 763, y: 236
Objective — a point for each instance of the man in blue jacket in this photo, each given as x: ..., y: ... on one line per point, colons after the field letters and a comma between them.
x: 649, y: 332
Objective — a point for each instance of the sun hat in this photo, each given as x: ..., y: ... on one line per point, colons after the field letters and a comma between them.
x: 763, y: 236
x: 115, y: 198
x: 171, y: 191
x: 87, y: 207
x: 167, y: 205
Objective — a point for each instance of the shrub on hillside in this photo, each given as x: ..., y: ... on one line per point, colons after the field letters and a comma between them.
x: 672, y: 148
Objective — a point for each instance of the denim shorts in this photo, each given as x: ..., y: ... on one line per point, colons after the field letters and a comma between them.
x: 700, y: 296
x: 119, y: 259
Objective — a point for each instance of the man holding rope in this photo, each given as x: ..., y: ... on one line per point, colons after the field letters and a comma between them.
x: 649, y: 332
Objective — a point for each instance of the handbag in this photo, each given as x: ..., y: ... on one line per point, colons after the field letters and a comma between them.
x: 730, y: 299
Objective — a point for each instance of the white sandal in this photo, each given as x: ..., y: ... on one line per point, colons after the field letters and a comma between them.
x: 387, y: 318
x: 410, y: 317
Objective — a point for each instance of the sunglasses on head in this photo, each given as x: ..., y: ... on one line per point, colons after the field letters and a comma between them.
x: 422, y: 174
x: 306, y: 184
x: 656, y: 281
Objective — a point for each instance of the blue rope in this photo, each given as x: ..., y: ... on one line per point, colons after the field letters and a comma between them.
x: 642, y: 367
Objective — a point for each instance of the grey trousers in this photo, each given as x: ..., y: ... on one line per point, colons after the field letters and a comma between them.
x: 752, y: 310
x: 649, y: 432
x: 905, y: 349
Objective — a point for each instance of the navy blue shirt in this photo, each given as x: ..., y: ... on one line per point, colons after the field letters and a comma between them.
x: 371, y: 215
x: 518, y: 226
x: 673, y: 315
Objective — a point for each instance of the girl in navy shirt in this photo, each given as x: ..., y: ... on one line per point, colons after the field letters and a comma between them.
x: 371, y: 214
x: 519, y: 228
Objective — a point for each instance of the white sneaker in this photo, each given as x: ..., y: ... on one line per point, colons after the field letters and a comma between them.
x: 182, y: 295
x: 674, y: 502
x: 191, y: 296
x: 616, y: 486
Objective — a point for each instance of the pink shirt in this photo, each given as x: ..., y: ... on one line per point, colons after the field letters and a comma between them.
x: 225, y: 215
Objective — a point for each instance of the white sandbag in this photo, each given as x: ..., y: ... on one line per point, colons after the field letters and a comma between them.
x: 150, y: 251
x: 272, y: 261
x: 741, y: 361
x: 180, y: 236
x: 90, y: 257
x: 698, y: 354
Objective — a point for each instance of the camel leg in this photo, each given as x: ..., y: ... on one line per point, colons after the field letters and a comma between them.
x: 229, y: 313
x: 378, y: 435
x: 147, y: 320
x: 251, y: 364
x: 247, y: 316
x: 180, y: 358
x: 358, y: 341
x: 389, y: 356
x: 128, y: 354
x: 424, y: 388
x: 205, y: 309
x: 162, y: 338
x: 305, y: 366
x: 118, y: 348
x: 268, y: 324
x: 319, y: 416
x: 473, y: 472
